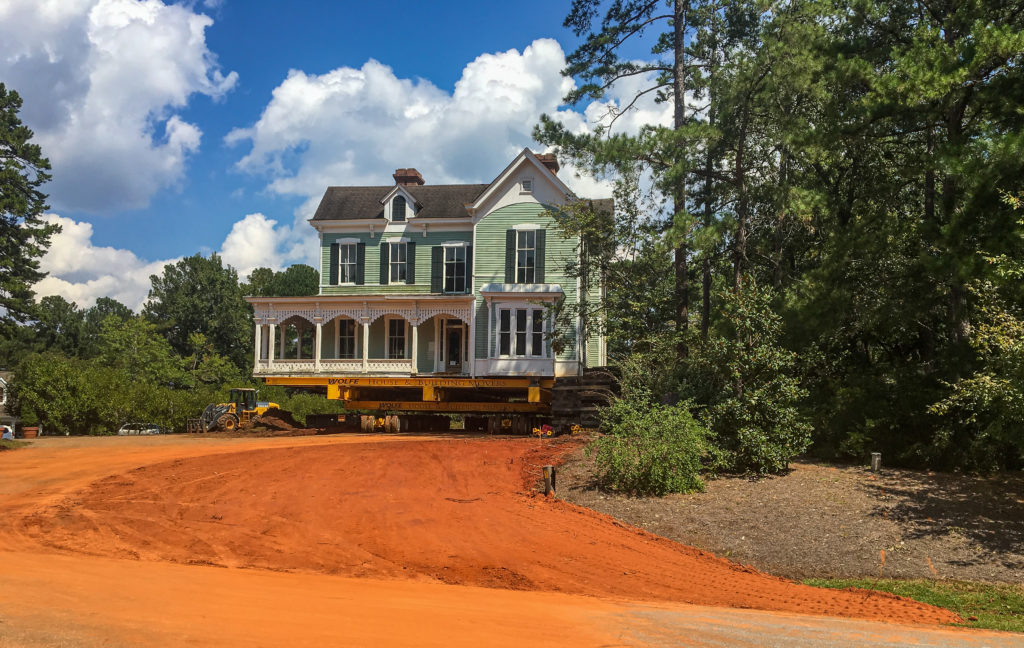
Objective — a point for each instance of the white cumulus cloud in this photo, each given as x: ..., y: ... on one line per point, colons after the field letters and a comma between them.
x: 81, y: 272
x: 354, y: 126
x: 252, y: 243
x: 101, y: 80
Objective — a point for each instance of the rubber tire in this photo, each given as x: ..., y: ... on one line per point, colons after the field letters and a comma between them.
x: 227, y: 423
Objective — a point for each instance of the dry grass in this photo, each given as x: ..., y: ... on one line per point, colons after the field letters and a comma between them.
x: 823, y: 521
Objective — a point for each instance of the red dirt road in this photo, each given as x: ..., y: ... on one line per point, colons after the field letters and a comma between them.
x: 455, y: 511
x: 79, y: 601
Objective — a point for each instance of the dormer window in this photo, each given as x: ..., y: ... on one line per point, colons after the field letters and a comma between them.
x: 398, y: 209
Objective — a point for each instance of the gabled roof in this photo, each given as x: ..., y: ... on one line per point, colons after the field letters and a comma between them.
x: 529, y: 156
x: 432, y: 201
x: 436, y: 201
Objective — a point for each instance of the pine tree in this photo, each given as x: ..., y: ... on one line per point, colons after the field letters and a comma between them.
x: 600, y: 62
x: 24, y: 235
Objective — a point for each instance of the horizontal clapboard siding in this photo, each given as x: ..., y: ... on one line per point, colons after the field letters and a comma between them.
x: 372, y: 265
x: 490, y: 263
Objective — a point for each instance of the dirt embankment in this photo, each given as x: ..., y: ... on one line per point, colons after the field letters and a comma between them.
x: 457, y: 511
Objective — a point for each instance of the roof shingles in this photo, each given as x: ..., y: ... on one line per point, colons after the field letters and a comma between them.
x: 438, y: 201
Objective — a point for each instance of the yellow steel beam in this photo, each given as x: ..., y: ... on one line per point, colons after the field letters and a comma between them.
x: 370, y: 381
x: 338, y: 392
x: 432, y: 406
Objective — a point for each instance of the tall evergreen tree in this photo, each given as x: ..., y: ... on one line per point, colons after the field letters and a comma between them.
x: 601, y: 62
x: 24, y: 236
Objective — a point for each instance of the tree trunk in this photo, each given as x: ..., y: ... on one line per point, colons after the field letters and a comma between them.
x: 957, y: 293
x: 705, y: 312
x: 682, y: 273
x: 740, y: 242
x: 780, y: 223
x: 929, y: 179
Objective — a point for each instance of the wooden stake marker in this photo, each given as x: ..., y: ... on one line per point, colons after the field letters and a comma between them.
x: 549, y: 480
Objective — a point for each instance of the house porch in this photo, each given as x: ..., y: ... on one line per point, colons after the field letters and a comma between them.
x: 392, y: 335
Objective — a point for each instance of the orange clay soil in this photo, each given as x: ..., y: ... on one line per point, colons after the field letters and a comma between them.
x: 460, y: 511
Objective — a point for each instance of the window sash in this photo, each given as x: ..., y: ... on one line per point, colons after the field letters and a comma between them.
x: 347, y: 339
x: 396, y: 338
x: 398, y: 209
x: 397, y: 261
x: 526, y: 251
x: 521, y: 333
x: 454, y: 269
x: 537, y: 334
x: 504, y: 332
x: 347, y: 262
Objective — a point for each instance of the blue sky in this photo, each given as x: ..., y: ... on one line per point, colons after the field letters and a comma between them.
x: 215, y: 125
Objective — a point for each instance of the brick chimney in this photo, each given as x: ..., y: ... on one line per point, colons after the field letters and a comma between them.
x: 406, y: 177
x: 549, y: 160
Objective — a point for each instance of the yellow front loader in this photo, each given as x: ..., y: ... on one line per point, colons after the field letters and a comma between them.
x: 242, y: 412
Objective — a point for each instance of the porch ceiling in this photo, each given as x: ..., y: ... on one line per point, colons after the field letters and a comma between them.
x: 364, y: 308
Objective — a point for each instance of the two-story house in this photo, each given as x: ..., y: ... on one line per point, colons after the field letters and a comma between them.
x: 443, y: 285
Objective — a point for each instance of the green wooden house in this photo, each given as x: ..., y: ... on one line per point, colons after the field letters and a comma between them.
x: 434, y: 280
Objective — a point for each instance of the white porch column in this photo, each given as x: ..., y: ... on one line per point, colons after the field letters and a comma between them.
x: 492, y: 336
x: 316, y: 345
x: 472, y: 340
x: 270, y: 345
x: 415, y: 337
x: 257, y: 342
x: 366, y: 346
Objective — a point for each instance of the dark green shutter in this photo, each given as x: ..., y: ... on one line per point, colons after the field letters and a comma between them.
x: 510, y: 256
x: 385, y: 249
x: 538, y: 274
x: 436, y: 269
x: 360, y: 264
x: 469, y: 268
x: 410, y: 262
x: 332, y: 272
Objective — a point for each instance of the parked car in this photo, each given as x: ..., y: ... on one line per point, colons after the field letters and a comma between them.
x: 132, y: 429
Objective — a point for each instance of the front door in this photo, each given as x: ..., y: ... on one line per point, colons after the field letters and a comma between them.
x: 453, y: 346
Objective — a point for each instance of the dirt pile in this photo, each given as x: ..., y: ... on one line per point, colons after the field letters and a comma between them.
x: 455, y: 511
x: 276, y: 419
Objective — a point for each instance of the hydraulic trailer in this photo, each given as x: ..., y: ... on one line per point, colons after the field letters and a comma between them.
x: 511, y: 405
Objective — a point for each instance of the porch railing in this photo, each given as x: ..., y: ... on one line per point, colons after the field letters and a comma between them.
x: 333, y: 366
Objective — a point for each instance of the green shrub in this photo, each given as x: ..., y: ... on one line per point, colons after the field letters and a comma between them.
x: 302, y: 404
x: 746, y: 383
x: 651, y: 449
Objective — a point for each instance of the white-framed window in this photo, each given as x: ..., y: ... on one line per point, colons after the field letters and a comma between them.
x: 526, y: 256
x: 348, y: 261
x: 526, y: 185
x: 398, y: 209
x: 348, y: 339
x: 521, y: 332
x: 396, y: 336
x: 455, y: 270
x: 397, y: 260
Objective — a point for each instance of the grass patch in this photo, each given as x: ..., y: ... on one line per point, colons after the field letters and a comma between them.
x: 7, y: 444
x: 995, y: 607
